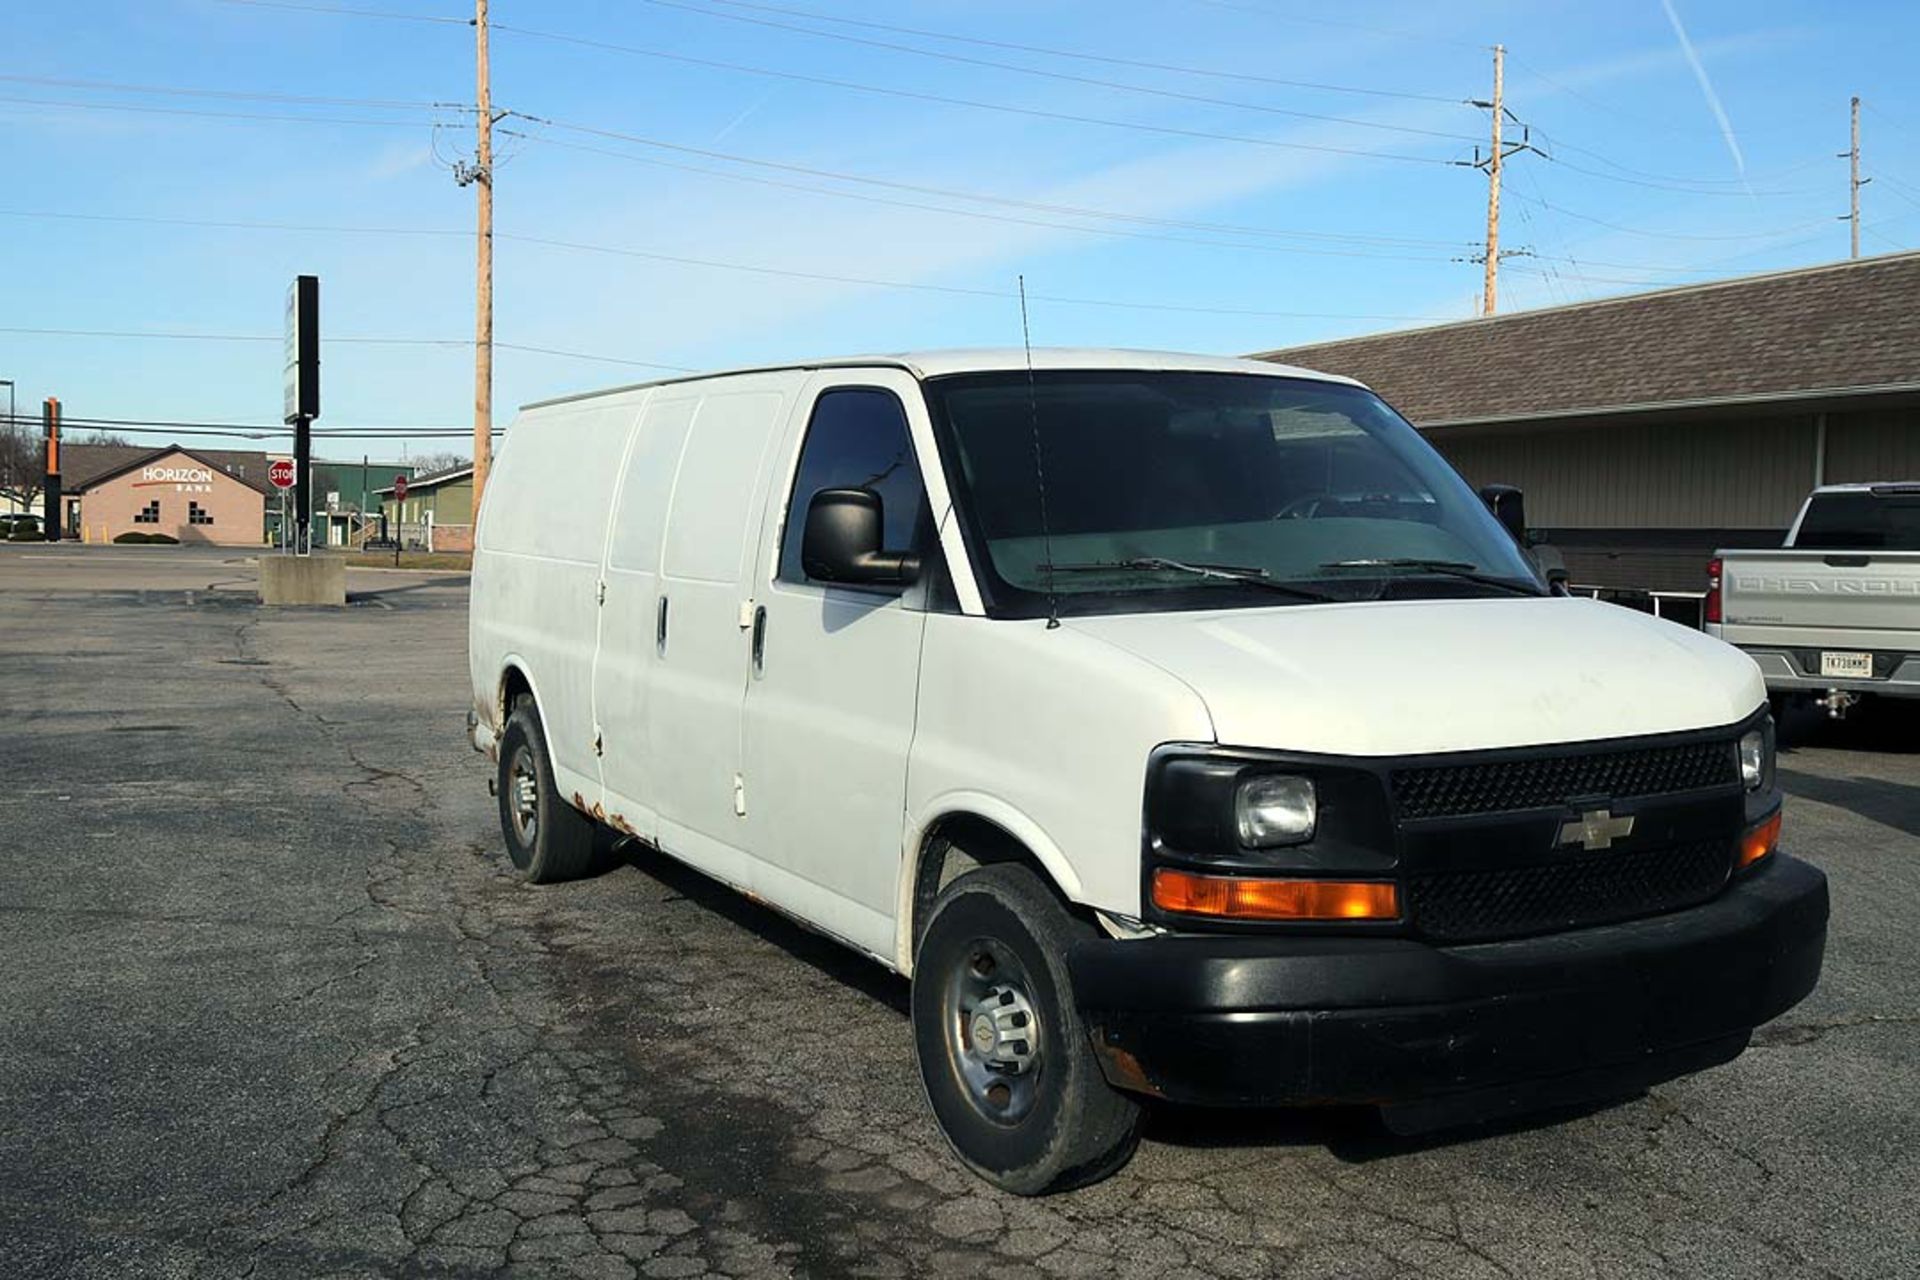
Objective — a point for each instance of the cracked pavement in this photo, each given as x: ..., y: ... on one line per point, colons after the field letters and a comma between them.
x: 273, y: 1006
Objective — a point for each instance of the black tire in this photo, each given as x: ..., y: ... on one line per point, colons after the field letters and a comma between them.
x: 1057, y: 1123
x: 547, y: 838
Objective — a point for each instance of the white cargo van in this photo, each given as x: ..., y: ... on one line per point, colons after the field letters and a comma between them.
x: 1184, y: 728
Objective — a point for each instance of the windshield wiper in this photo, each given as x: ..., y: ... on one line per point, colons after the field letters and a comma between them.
x: 1448, y: 568
x: 1248, y: 574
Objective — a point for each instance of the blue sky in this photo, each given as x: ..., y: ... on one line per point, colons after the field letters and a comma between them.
x: 1246, y: 221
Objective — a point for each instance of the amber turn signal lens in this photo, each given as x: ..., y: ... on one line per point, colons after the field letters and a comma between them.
x: 1246, y: 898
x: 1759, y: 842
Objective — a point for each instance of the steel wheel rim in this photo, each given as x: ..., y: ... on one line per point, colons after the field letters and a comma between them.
x: 994, y: 1038
x: 523, y: 796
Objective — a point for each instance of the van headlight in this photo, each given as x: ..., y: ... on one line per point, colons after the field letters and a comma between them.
x: 1280, y: 808
x: 1756, y: 757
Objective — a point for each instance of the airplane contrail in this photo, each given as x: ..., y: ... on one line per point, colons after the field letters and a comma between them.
x: 1706, y: 87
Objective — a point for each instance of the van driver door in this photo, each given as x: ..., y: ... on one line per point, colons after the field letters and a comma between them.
x: 835, y: 669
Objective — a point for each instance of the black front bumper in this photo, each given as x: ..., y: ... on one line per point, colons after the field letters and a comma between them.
x: 1273, y: 1021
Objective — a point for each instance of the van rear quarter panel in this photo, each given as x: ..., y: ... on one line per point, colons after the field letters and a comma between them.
x: 1047, y: 734
x: 536, y: 569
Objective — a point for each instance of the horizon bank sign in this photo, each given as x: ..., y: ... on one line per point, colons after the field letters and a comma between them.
x: 183, y: 479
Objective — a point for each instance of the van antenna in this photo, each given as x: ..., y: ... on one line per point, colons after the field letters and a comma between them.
x: 1039, y: 467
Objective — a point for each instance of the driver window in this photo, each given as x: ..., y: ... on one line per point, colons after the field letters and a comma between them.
x: 856, y: 439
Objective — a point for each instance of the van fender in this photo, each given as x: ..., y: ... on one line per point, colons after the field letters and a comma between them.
x: 509, y: 663
x: 976, y: 804
x: 574, y: 788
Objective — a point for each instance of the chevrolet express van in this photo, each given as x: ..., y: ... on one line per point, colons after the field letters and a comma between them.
x: 1183, y: 728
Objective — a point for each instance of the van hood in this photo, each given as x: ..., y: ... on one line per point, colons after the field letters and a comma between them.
x: 1417, y: 676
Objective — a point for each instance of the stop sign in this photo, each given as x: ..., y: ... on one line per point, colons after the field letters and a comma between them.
x: 280, y: 472
x: 399, y: 488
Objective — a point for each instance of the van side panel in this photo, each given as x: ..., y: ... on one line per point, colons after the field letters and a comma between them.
x: 698, y: 680
x: 535, y: 594
x: 1046, y: 734
x: 629, y: 620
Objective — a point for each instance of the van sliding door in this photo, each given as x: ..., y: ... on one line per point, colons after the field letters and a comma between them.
x: 624, y: 662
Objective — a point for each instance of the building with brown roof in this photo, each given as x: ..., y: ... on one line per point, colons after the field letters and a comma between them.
x: 192, y: 495
x: 1649, y: 429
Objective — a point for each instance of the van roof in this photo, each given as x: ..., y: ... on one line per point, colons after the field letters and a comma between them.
x: 937, y: 364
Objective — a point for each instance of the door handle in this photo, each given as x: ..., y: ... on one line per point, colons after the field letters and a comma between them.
x: 660, y: 628
x: 759, y: 639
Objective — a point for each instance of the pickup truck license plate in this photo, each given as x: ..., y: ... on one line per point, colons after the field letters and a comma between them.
x: 1846, y: 664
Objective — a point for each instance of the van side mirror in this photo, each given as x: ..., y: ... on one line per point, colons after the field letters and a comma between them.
x: 842, y: 541
x: 1508, y: 507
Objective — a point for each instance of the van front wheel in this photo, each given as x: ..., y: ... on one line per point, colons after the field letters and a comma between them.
x: 1004, y: 1055
x: 547, y: 838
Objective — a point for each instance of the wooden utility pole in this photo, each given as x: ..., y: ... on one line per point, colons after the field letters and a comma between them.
x: 1854, y: 183
x: 483, y: 303
x: 1489, y: 297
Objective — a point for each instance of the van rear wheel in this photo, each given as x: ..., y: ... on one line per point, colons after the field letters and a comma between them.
x: 1004, y: 1056
x: 547, y: 838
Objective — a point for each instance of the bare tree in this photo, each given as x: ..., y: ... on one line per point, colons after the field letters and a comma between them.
x: 428, y: 463
x: 103, y: 437
x: 23, y: 464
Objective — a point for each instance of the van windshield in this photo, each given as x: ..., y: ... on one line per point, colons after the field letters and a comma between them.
x: 1180, y: 490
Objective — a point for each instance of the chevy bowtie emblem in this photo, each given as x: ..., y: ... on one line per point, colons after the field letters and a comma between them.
x: 1596, y: 829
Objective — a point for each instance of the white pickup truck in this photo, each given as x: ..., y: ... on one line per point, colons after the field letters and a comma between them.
x: 1835, y: 613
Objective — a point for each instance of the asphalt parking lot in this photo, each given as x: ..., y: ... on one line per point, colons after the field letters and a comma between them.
x: 272, y: 1005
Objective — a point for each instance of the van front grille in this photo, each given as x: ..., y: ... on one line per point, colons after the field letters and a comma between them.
x: 1579, y: 890
x: 1548, y: 782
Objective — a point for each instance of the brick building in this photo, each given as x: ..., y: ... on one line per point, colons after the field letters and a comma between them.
x: 196, y: 496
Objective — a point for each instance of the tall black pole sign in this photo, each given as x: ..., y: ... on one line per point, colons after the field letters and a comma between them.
x: 302, y: 384
x: 51, y: 523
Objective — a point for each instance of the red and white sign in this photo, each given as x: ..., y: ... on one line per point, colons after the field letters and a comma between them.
x: 280, y: 472
x: 399, y: 488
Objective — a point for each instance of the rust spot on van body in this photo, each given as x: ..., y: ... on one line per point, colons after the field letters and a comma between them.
x: 619, y: 823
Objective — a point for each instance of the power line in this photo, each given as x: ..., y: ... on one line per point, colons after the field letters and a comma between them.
x: 1899, y: 188
x: 229, y: 224
x: 239, y: 430
x: 1107, y: 60
x: 396, y: 16
x: 950, y: 290
x: 110, y: 86
x: 979, y: 213
x: 1398, y: 33
x: 974, y: 103
x: 1119, y: 85
x: 911, y: 94
x: 1083, y: 211
x: 581, y: 355
x: 274, y: 337
x: 1664, y: 185
x: 1708, y: 186
x: 348, y: 12
x: 1669, y: 235
x: 340, y: 229
x: 233, y: 224
x: 202, y: 113
x: 1627, y: 174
